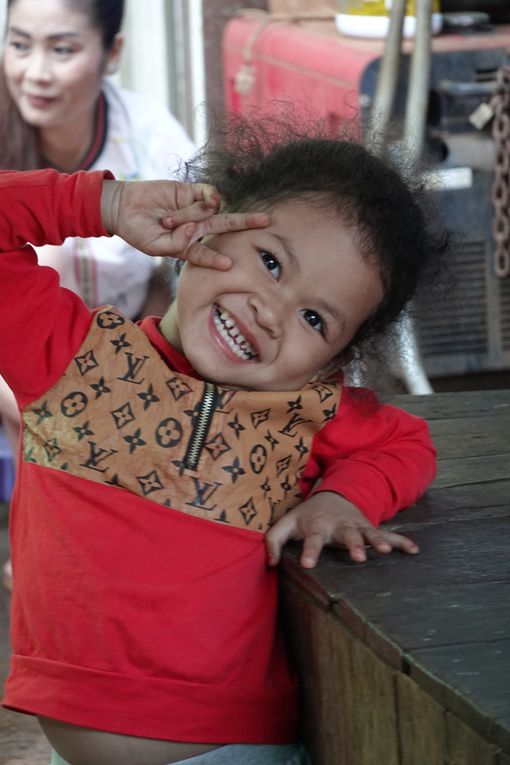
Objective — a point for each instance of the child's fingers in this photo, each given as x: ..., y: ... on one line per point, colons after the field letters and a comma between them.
x: 174, y: 243
x: 313, y: 544
x: 193, y: 213
x: 378, y: 539
x: 277, y: 536
x: 354, y: 539
x: 385, y: 541
x: 208, y: 224
x: 226, y: 222
x: 207, y: 193
x: 381, y: 541
x: 200, y: 255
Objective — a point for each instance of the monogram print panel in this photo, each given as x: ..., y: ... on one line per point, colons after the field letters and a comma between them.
x: 120, y: 416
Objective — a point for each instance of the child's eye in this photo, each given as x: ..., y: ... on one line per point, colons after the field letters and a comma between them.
x: 63, y: 50
x: 271, y: 263
x: 314, y: 319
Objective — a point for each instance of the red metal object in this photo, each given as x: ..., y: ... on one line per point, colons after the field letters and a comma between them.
x: 312, y: 64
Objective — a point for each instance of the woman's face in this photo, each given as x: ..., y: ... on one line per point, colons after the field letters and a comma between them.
x: 54, y: 61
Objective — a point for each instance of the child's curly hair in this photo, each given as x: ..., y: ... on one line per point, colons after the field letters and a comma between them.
x: 256, y: 164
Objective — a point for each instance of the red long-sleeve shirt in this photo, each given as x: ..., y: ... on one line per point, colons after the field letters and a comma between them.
x: 142, y: 602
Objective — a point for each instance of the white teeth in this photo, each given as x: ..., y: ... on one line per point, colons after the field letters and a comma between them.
x: 235, y: 340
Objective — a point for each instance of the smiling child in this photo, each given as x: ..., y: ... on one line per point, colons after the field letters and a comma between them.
x: 166, y: 463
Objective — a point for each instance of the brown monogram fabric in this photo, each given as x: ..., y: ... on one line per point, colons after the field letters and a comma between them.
x: 121, y: 417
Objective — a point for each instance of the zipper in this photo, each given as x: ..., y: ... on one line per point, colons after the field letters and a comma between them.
x: 202, y: 425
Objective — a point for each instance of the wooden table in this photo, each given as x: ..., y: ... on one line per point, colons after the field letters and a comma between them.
x: 406, y: 660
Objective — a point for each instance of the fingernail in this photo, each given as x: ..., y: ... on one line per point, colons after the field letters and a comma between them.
x: 224, y: 262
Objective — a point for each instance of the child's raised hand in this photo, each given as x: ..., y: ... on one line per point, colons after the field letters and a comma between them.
x: 327, y: 518
x: 164, y: 218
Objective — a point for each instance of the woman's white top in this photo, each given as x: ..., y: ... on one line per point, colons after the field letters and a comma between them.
x: 137, y: 139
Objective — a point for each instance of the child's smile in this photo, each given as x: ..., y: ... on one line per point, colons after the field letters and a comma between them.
x: 231, y: 335
x: 295, y: 296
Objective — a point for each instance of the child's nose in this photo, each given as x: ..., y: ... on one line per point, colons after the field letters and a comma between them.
x: 269, y: 313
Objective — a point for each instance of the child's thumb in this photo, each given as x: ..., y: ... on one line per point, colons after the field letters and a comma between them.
x: 273, y: 547
x: 276, y: 537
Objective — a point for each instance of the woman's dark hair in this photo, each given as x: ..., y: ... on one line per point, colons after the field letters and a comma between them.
x: 256, y: 164
x: 19, y: 142
x: 105, y: 15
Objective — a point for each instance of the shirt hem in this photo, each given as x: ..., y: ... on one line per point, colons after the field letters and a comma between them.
x: 151, y: 707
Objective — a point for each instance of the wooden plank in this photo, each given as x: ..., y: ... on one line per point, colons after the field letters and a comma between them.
x: 452, y: 405
x: 373, y: 704
x: 349, y: 706
x: 471, y: 680
x: 476, y: 554
x: 502, y: 728
x: 466, y: 548
x: 463, y: 554
x: 324, y: 677
x: 441, y: 616
x: 468, y: 470
x: 455, y: 503
x: 502, y: 732
x: 433, y: 616
x: 422, y: 725
x: 471, y: 437
x: 465, y: 747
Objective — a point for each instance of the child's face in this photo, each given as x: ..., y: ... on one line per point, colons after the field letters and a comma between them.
x: 293, y: 299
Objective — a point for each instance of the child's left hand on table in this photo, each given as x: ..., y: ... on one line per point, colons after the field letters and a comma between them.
x: 327, y: 518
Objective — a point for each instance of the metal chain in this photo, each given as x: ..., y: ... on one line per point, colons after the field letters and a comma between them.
x: 501, y: 185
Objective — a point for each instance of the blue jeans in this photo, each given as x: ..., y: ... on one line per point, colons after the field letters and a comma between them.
x: 239, y: 754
